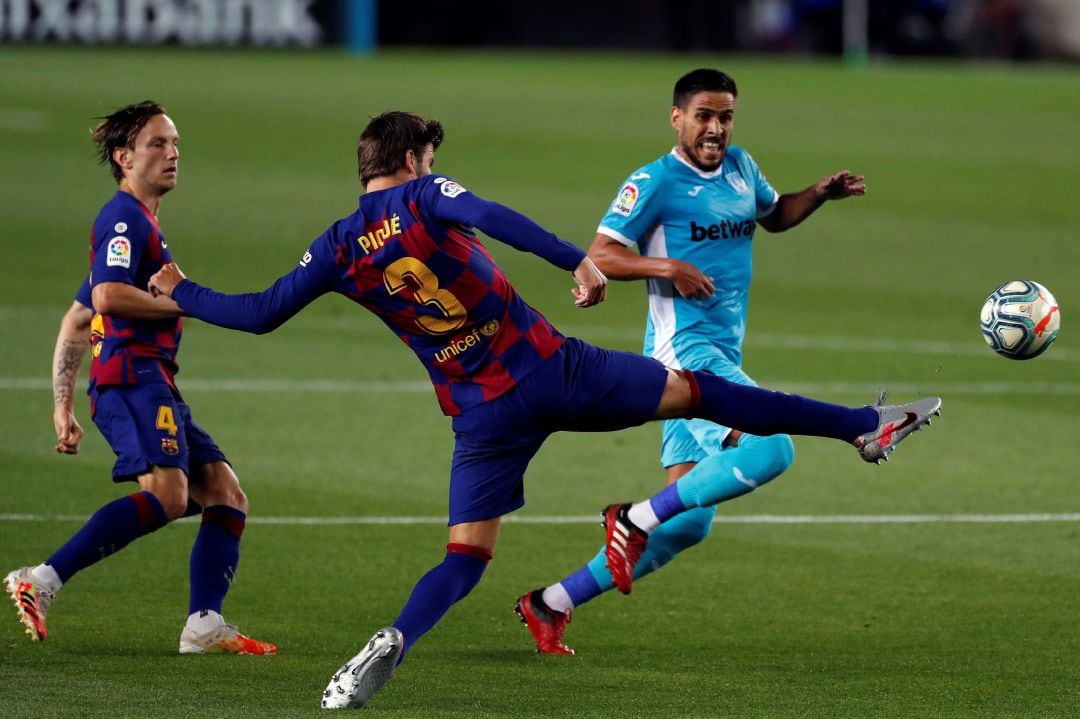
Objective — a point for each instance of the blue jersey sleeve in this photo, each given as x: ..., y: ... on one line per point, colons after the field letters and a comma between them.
x: 262, y: 312
x: 450, y: 202
x: 122, y: 235
x: 635, y: 210
x: 85, y: 295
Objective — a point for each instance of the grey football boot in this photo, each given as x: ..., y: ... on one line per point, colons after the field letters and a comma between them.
x: 895, y: 421
x: 364, y: 674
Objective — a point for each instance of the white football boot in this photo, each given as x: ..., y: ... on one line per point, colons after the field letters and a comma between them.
x: 895, y: 422
x: 364, y: 674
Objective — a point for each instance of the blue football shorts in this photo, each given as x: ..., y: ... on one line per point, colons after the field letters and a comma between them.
x: 150, y: 424
x: 692, y: 440
x: 581, y: 388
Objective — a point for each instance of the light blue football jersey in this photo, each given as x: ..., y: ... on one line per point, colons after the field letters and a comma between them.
x: 669, y: 208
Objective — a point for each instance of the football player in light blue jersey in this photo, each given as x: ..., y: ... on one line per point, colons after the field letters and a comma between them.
x: 691, y: 215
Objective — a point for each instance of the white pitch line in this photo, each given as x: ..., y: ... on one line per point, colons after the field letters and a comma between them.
x: 593, y: 519
x: 225, y: 384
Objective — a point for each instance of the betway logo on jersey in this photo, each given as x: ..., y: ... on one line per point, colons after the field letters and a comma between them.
x: 466, y: 341
x: 375, y: 239
x: 726, y: 230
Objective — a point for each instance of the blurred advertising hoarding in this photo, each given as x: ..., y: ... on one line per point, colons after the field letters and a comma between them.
x: 274, y: 23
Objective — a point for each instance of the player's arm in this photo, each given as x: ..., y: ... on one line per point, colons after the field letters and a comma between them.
x: 515, y: 229
x: 794, y: 207
x: 510, y: 227
x: 619, y: 262
x: 72, y: 341
x: 254, y: 312
x: 119, y: 299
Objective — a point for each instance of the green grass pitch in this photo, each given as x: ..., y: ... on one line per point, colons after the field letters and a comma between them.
x: 973, y: 173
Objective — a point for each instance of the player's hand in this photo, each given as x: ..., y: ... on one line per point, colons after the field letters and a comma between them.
x: 68, y: 431
x: 165, y: 280
x: 842, y: 184
x: 592, y: 284
x: 690, y: 282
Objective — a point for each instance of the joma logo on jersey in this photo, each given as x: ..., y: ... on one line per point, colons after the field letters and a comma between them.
x: 466, y: 342
x: 375, y: 239
x: 726, y: 230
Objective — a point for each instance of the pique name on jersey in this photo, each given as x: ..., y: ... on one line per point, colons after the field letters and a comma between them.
x: 724, y: 230
x: 375, y: 239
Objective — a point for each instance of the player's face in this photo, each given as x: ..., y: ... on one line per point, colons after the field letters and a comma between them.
x: 704, y: 128
x: 152, y: 164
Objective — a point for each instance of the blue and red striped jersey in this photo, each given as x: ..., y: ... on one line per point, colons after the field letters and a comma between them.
x: 409, y: 254
x: 126, y: 245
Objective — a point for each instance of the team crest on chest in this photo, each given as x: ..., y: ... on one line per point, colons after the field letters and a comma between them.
x: 736, y: 181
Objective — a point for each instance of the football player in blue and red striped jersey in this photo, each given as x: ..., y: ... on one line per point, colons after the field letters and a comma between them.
x: 500, y: 370
x: 134, y: 399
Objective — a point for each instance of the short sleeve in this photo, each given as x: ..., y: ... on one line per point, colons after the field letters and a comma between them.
x: 124, y: 234
x: 85, y: 296
x: 634, y: 211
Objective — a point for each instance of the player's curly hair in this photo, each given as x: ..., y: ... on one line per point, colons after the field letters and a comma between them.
x: 702, y: 80
x: 382, y: 146
x: 120, y: 130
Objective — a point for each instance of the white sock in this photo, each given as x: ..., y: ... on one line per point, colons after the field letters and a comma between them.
x: 47, y: 577
x: 556, y: 597
x: 643, y: 516
x: 204, y: 621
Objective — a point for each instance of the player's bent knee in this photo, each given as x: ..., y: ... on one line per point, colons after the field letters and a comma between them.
x: 774, y: 454
x: 174, y: 504
x: 681, y: 395
x: 217, y: 484
x: 169, y: 487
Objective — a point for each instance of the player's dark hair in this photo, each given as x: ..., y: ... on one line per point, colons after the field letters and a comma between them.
x: 382, y: 146
x: 120, y: 130
x: 702, y: 80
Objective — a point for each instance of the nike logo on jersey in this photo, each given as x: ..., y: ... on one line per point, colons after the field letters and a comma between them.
x: 641, y: 176
x: 694, y: 192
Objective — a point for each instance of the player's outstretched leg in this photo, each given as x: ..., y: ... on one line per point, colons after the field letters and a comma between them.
x: 895, y: 421
x: 364, y: 674
x: 32, y: 600
x: 545, y: 624
x: 874, y: 430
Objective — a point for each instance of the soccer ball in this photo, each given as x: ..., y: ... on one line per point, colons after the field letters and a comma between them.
x: 1020, y: 319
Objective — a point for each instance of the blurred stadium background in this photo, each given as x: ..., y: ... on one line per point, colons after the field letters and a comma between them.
x: 943, y: 584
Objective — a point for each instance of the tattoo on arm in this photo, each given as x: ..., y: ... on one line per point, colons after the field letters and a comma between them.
x: 66, y: 372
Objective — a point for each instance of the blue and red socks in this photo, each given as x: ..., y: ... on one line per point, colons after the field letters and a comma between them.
x: 215, y: 556
x: 762, y: 412
x: 109, y: 530
x: 438, y: 590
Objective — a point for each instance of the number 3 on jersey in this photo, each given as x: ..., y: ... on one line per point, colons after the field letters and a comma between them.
x: 411, y: 273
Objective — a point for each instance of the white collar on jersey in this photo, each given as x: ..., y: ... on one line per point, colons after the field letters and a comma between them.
x: 703, y: 175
